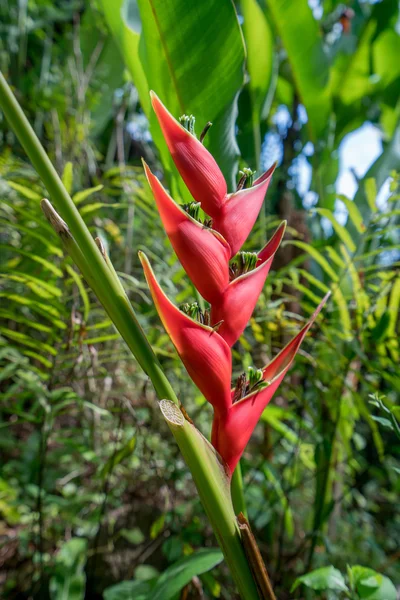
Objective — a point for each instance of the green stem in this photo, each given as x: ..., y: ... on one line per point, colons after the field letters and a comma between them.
x: 239, y: 503
x: 84, y: 251
x: 213, y: 486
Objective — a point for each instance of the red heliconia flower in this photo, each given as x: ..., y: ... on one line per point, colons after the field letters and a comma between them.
x: 196, y: 165
x: 233, y: 214
x: 235, y: 306
x: 205, y: 354
x: 239, y: 212
x: 232, y: 430
x: 232, y: 287
x: 203, y: 253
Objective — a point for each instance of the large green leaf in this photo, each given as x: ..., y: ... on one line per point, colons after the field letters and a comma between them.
x: 260, y: 52
x: 351, y: 73
x: 126, y: 31
x: 301, y: 38
x: 195, y: 67
x: 386, y: 51
x: 193, y: 59
x: 260, y: 69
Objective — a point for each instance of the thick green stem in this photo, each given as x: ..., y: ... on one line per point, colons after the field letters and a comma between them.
x: 98, y: 274
x: 213, y: 485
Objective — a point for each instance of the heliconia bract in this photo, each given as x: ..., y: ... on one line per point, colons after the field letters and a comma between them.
x: 236, y: 305
x: 230, y: 280
x: 232, y: 430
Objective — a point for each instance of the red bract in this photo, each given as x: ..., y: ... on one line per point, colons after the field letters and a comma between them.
x: 203, y: 351
x: 230, y: 282
x: 203, y: 253
x: 232, y: 430
x: 233, y: 214
x: 196, y: 165
x: 239, y: 212
x: 235, y: 306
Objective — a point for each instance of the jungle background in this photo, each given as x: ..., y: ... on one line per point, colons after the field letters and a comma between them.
x: 95, y: 499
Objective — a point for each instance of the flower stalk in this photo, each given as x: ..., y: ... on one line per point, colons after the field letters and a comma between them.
x: 78, y: 241
x: 203, y: 338
x: 229, y: 279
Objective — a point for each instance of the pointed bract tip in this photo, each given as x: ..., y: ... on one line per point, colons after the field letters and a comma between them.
x: 273, y: 244
x: 230, y: 437
x: 157, y: 103
x: 280, y: 230
x: 153, y: 96
x: 320, y: 307
x: 285, y: 357
x: 167, y: 120
x: 144, y: 261
x: 57, y: 223
x: 194, y: 162
x: 147, y: 170
x: 207, y: 357
x: 266, y: 176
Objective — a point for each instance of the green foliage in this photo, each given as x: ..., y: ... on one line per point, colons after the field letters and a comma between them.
x: 176, y: 62
x: 257, y: 94
x: 326, y: 578
x: 306, y: 56
x: 370, y: 584
x: 171, y: 582
x: 68, y: 580
x: 363, y: 583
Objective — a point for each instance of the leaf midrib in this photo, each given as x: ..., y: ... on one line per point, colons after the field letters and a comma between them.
x: 167, y: 56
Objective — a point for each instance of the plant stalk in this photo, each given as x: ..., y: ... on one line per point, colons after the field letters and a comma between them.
x: 213, y: 486
x: 95, y: 268
x: 239, y: 503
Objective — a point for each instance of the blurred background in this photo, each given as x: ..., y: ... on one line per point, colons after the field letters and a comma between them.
x: 93, y: 490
